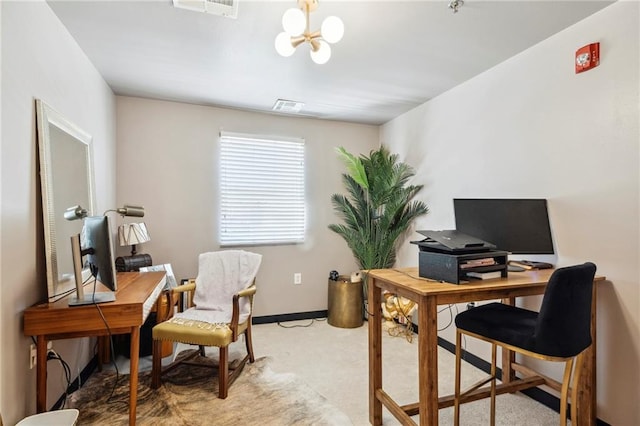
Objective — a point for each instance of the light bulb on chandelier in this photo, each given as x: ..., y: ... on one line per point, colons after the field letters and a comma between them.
x: 283, y: 44
x: 322, y: 54
x: 296, y: 32
x: 332, y: 29
x: 294, y: 22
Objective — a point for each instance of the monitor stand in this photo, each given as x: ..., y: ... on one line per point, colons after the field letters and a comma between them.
x: 94, y: 298
x: 80, y: 298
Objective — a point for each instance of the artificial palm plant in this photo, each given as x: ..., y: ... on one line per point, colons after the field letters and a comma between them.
x: 379, y: 206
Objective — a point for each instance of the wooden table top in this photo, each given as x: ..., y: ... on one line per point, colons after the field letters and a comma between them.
x: 58, y: 318
x: 407, y: 282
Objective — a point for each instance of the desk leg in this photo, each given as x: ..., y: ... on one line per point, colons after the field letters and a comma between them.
x: 104, y: 351
x: 375, y: 351
x: 133, y: 376
x: 41, y: 374
x: 428, y: 360
x: 586, y: 399
x: 508, y: 357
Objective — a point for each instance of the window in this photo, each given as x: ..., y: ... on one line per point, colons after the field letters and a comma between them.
x: 261, y: 190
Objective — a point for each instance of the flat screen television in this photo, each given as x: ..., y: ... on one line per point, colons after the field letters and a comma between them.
x: 95, y: 243
x: 519, y: 226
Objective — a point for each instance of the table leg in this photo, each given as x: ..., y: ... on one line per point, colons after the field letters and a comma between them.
x: 428, y: 360
x: 508, y: 357
x: 586, y: 399
x: 133, y: 373
x: 41, y: 374
x: 375, y: 351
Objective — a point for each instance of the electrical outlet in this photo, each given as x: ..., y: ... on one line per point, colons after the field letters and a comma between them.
x: 50, y: 352
x: 33, y: 355
x: 297, y: 278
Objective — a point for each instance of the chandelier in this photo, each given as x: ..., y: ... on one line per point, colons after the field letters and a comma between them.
x: 295, y: 22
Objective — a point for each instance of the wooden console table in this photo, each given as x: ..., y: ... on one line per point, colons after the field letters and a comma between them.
x: 429, y: 294
x: 137, y: 293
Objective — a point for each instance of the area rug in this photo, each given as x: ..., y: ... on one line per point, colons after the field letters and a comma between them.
x: 188, y: 396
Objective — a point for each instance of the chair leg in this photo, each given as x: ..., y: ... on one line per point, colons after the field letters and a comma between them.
x: 574, y: 388
x: 156, y: 364
x: 494, y: 350
x: 565, y: 391
x: 249, y: 343
x: 223, y: 372
x: 456, y: 399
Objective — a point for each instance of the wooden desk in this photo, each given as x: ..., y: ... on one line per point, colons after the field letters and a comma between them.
x: 430, y: 294
x: 137, y: 293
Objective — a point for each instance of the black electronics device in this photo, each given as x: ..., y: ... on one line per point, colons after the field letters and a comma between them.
x: 516, y: 225
x: 133, y: 263
x: 453, y: 268
x: 95, y: 243
x: 449, y: 255
x: 452, y: 241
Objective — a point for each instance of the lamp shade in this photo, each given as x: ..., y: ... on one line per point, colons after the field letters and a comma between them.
x: 133, y: 233
x: 283, y: 44
x: 293, y: 22
x: 322, y: 55
x: 332, y: 29
x: 75, y: 212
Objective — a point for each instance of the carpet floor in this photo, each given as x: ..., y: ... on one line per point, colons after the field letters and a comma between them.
x: 188, y: 396
x: 329, y: 365
x: 334, y: 361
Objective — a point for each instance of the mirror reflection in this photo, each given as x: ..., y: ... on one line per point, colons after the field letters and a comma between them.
x: 66, y: 179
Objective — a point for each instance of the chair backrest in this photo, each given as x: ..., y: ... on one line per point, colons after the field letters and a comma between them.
x: 221, y: 274
x: 563, y: 327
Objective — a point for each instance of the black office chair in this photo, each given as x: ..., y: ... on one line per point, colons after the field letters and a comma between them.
x: 560, y: 332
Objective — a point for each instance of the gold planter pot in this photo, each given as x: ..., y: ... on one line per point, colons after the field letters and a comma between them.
x: 345, y: 303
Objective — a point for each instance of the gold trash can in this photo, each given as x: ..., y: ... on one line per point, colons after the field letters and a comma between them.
x: 345, y: 303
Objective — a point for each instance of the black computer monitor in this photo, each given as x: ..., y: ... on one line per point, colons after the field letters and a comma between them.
x: 95, y: 243
x: 519, y: 226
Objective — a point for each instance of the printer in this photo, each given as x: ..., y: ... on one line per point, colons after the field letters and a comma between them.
x: 449, y: 255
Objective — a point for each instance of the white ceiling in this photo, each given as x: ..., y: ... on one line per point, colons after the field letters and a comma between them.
x: 394, y: 55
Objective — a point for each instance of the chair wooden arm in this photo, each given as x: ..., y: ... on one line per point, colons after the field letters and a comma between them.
x: 169, y: 295
x: 185, y: 289
x: 190, y: 286
x: 249, y: 291
x: 169, y: 313
x: 235, y: 317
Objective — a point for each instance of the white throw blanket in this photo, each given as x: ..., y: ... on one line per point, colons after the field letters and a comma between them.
x: 222, y: 274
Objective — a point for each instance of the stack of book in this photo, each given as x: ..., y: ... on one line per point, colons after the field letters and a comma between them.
x: 474, y: 263
x: 484, y: 275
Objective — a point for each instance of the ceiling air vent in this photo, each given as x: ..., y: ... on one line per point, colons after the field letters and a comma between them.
x: 283, y: 105
x: 226, y: 8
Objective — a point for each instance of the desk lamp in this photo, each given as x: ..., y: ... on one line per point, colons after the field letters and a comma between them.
x: 95, y: 242
x: 131, y: 234
x: 128, y: 234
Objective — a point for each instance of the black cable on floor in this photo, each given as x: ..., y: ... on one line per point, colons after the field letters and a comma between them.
x: 112, y: 350
x: 67, y: 373
x: 301, y: 325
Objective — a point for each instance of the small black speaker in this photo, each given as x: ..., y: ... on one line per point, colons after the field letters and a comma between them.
x: 133, y: 263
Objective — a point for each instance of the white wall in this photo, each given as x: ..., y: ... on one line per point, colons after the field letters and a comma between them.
x: 531, y: 127
x: 40, y: 59
x: 167, y: 162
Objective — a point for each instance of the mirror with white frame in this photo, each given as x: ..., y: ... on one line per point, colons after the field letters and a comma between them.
x: 66, y: 178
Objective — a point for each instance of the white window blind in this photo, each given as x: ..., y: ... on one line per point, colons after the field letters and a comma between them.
x: 261, y: 190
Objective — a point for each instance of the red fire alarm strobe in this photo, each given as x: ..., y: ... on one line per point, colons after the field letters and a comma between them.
x: 587, y: 57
